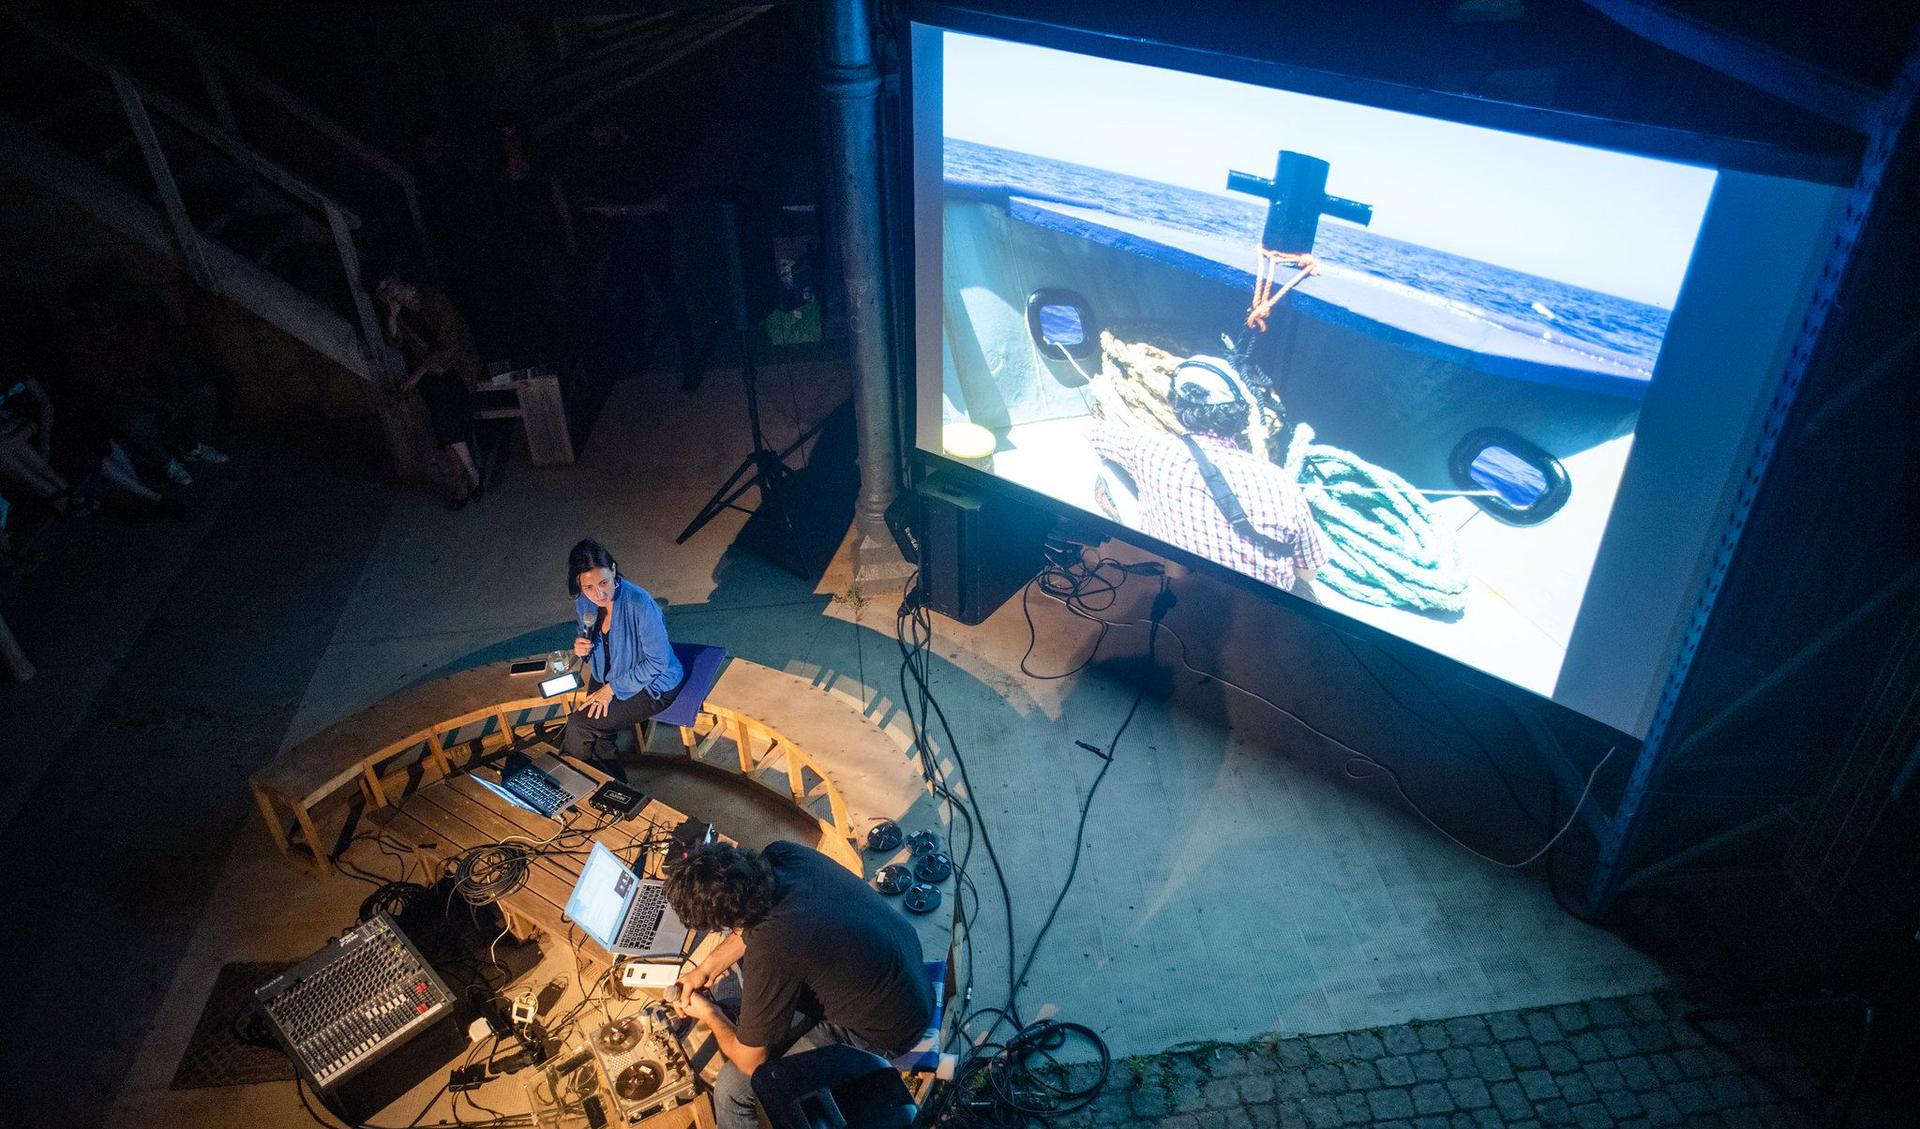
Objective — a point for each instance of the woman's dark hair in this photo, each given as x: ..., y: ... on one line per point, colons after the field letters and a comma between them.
x: 586, y: 556
x: 1190, y: 408
x: 720, y: 886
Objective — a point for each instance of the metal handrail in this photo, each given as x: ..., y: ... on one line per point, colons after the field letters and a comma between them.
x: 211, y: 58
x: 185, y: 117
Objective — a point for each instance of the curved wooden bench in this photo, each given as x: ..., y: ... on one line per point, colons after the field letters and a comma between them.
x: 725, y: 737
x: 383, y: 752
x: 360, y: 756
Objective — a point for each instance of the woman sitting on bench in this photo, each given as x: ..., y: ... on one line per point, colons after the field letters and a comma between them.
x: 623, y: 637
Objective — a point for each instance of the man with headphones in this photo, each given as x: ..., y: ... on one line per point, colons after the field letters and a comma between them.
x: 1205, y: 491
x: 623, y: 637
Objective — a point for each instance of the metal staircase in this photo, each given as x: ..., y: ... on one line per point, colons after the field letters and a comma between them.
x: 175, y: 174
x: 181, y: 146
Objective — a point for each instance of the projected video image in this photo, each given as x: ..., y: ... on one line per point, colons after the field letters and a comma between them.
x: 1386, y: 363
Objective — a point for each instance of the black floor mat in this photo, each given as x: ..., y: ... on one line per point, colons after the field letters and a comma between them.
x: 217, y: 1055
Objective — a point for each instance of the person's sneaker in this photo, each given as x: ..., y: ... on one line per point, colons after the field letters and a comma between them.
x: 177, y: 473
x: 206, y: 454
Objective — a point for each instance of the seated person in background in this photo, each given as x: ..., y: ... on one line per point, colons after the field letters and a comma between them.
x: 144, y: 378
x: 1206, y: 494
x: 443, y: 364
x: 26, y: 445
x: 824, y: 959
x: 86, y: 448
x: 623, y: 637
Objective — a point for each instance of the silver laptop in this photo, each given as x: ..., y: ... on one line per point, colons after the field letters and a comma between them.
x: 541, y: 784
x: 627, y: 914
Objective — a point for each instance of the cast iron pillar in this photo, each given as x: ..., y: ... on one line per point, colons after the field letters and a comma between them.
x: 851, y: 81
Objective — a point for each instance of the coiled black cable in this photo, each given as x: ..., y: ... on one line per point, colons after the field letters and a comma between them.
x: 485, y: 874
x: 1013, y: 1083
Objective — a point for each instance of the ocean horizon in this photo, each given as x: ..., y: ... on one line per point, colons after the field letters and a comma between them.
x: 1634, y: 330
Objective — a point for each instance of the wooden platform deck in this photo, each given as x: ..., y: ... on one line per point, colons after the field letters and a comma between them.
x: 399, y: 767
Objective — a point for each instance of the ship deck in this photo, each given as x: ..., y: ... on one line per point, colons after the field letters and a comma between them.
x: 1525, y: 585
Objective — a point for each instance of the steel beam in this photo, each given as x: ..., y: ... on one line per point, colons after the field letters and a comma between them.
x: 192, y: 255
x: 1795, y: 81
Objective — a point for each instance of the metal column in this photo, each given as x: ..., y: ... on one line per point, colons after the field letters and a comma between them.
x: 851, y: 82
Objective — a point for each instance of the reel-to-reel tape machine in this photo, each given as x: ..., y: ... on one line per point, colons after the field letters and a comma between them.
x: 629, y: 1070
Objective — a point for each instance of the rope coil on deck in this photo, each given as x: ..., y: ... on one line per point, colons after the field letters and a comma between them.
x: 1385, y: 548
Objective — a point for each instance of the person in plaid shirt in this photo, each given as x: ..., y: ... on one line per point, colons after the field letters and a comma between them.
x: 1276, y: 542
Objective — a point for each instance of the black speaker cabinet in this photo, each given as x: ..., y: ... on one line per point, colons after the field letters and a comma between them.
x: 977, y: 547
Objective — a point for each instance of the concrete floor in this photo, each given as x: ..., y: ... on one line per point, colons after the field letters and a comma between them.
x: 1227, y: 887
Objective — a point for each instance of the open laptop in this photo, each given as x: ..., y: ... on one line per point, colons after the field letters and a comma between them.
x: 541, y: 784
x: 627, y: 914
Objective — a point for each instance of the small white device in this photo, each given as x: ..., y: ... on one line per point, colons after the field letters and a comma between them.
x: 559, y: 684
x: 649, y: 973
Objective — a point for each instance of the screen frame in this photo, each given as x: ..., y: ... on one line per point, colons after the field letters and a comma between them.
x: 574, y: 684
x: 1638, y: 139
x: 1642, y: 139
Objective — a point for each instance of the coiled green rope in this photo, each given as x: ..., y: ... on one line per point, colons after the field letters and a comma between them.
x: 1385, y: 548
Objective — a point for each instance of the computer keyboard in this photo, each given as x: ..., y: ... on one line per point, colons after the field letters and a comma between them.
x: 538, y: 789
x: 643, y: 921
x: 353, y: 1000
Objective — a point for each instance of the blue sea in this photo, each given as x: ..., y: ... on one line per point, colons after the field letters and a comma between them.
x: 1632, y: 329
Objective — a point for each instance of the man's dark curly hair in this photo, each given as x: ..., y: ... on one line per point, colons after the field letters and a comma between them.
x: 1190, y: 408
x: 720, y: 886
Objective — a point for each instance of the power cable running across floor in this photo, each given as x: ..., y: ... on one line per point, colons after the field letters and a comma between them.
x: 1022, y: 1078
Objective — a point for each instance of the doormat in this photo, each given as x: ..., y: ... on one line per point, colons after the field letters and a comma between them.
x: 219, y: 1054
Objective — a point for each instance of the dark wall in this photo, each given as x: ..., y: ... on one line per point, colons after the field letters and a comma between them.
x: 1793, y: 745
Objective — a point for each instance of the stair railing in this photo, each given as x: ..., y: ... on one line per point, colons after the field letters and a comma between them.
x: 215, y: 62
x: 139, y: 103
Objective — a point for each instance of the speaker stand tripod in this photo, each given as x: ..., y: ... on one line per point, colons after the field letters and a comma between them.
x: 764, y: 467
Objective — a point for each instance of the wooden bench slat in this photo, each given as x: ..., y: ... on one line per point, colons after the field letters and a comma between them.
x: 482, y: 810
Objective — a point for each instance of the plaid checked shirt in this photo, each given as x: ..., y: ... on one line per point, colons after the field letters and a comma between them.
x: 1176, y: 507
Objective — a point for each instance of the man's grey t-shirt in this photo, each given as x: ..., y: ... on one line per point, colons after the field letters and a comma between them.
x: 833, y: 948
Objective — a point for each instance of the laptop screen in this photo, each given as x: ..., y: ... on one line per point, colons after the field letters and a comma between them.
x: 599, y: 900
x: 504, y: 794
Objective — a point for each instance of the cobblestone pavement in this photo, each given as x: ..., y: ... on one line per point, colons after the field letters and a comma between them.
x: 1627, y: 1062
